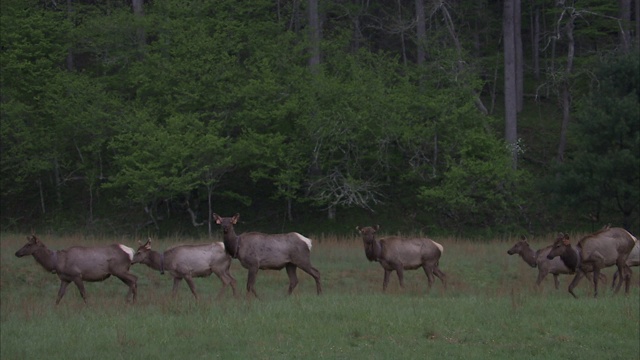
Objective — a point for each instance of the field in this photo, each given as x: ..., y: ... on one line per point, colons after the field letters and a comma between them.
x: 491, y: 309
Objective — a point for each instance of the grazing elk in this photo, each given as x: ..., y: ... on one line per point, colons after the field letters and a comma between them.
x: 539, y: 259
x: 399, y: 254
x: 258, y: 251
x: 189, y: 261
x: 78, y: 264
x: 607, y: 247
x: 632, y: 260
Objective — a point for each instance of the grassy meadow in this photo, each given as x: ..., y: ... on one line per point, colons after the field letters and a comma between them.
x: 491, y: 309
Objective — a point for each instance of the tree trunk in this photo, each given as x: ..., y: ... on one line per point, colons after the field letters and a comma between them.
x: 314, y: 36
x: 535, y: 42
x: 402, y: 39
x: 566, y: 93
x: 209, y: 209
x: 69, y: 60
x: 510, y: 78
x: 517, y: 32
x: 637, y: 18
x: 625, y: 26
x: 421, y: 32
x: 331, y: 212
x: 138, y: 11
x: 452, y: 32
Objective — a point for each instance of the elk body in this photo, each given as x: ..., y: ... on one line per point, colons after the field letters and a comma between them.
x: 188, y: 262
x: 78, y: 264
x: 399, y: 254
x: 258, y: 251
x: 539, y: 259
x: 607, y: 247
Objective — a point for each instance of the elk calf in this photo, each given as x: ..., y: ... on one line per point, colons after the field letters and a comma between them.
x: 189, y: 261
x: 78, y: 264
x: 399, y: 254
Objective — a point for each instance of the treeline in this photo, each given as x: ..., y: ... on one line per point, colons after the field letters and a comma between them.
x: 123, y: 116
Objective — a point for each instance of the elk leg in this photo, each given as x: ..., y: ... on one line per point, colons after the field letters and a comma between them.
x: 225, y: 281
x: 541, y: 275
x: 132, y: 282
x: 628, y: 280
x: 429, y: 272
x: 315, y: 274
x: 613, y: 282
x: 400, y: 273
x: 622, y: 272
x: 293, y: 278
x: 442, y: 276
x: 176, y: 284
x: 251, y: 281
x: 574, y: 283
x: 385, y: 282
x: 596, y: 276
x: 232, y: 281
x: 80, y: 286
x: 62, y: 290
x: 598, y: 263
x: 626, y: 277
x: 556, y: 281
x: 192, y: 286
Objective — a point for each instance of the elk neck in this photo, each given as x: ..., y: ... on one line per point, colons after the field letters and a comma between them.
x: 570, y: 257
x: 529, y: 256
x: 47, y: 258
x: 231, y: 242
x: 372, y: 249
x: 155, y: 261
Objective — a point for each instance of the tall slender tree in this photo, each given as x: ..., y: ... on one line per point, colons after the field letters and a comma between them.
x: 510, y: 80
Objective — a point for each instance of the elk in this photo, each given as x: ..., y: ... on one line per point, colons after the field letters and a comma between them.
x: 79, y: 263
x: 189, y: 261
x: 607, y: 247
x: 539, y: 259
x: 399, y: 254
x: 632, y: 260
x: 258, y: 251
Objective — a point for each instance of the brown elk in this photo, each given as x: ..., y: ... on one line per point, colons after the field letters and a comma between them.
x: 607, y: 247
x: 188, y: 262
x: 399, y: 254
x: 258, y: 251
x: 78, y: 264
x: 539, y: 259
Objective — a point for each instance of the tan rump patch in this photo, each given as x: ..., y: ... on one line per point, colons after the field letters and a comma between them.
x: 306, y: 240
x: 128, y: 250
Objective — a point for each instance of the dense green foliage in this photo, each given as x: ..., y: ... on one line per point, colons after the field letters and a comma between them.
x: 489, y: 310
x: 605, y: 175
x: 119, y: 122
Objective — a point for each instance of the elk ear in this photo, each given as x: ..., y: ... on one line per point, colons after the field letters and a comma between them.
x: 235, y: 218
x: 358, y: 229
x: 216, y: 217
x: 376, y: 228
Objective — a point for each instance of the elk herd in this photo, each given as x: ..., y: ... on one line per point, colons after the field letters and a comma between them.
x: 258, y: 251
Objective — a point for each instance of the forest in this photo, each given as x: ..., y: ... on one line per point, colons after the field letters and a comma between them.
x: 458, y: 117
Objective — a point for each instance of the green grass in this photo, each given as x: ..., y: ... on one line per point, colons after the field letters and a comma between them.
x: 490, y: 310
